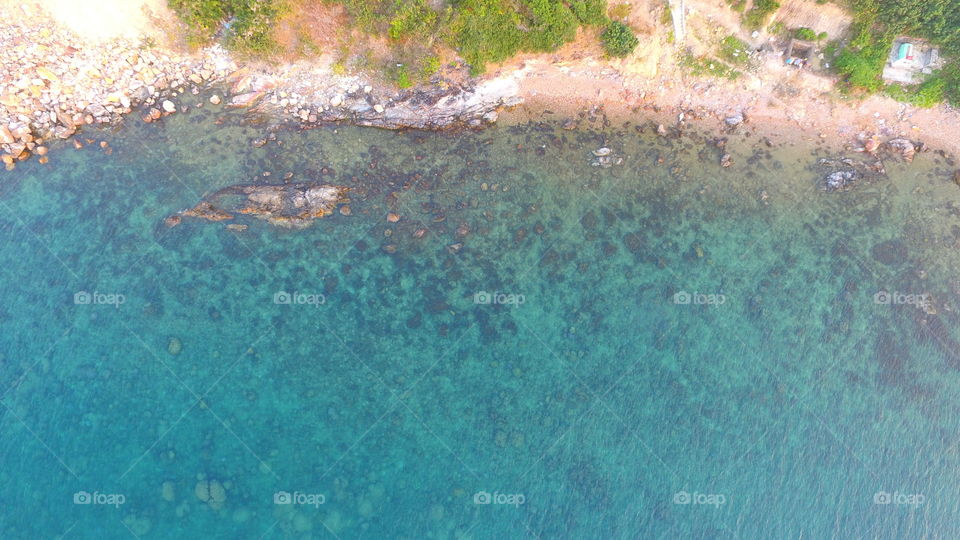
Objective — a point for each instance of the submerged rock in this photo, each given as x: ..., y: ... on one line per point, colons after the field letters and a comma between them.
x: 843, y: 174
x: 840, y: 180
x: 735, y: 120
x: 287, y: 205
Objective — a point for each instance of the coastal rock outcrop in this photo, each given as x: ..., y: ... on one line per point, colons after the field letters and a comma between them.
x: 843, y: 174
x: 286, y: 205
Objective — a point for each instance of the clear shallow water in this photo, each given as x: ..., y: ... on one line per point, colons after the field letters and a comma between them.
x: 603, y: 405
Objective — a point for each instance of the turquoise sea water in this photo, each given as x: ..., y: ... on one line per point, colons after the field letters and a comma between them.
x: 651, y: 350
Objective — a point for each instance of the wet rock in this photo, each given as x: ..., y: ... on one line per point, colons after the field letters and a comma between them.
x: 345, y: 210
x: 600, y: 152
x: 904, y: 147
x: 287, y: 205
x: 842, y: 174
x: 956, y: 177
x: 726, y: 161
x: 735, y: 120
x: 393, y: 218
x: 211, y: 492
x: 174, y: 346
x: 215, y: 99
x: 168, y: 106
x: 569, y: 124
x: 168, y: 491
x: 661, y: 130
x: 840, y: 180
x: 236, y: 227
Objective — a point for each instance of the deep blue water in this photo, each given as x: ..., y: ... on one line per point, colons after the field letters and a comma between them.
x: 586, y: 399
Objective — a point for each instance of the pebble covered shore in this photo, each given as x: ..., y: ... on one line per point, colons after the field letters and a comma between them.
x: 52, y: 83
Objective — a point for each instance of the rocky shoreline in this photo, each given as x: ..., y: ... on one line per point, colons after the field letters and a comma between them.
x: 52, y: 83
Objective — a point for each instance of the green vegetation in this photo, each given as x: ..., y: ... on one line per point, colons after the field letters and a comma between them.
x: 481, y: 31
x: 618, y: 39
x: 877, y: 23
x: 805, y: 33
x: 622, y: 11
x: 735, y: 51
x: 759, y: 13
x: 737, y: 5
x: 706, y: 66
x: 926, y: 94
x: 412, y: 17
x: 247, y: 25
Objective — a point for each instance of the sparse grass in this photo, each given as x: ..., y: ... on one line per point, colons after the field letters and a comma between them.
x: 481, y: 31
x: 737, y: 5
x: 622, y: 11
x: 734, y: 51
x: 706, y: 66
x: 760, y: 13
x: 247, y: 25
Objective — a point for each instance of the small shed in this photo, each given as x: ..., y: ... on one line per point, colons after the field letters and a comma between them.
x: 798, y: 53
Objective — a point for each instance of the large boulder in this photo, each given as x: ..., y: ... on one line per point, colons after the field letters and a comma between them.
x: 287, y: 205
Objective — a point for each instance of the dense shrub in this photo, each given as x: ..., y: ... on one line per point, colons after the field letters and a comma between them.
x: 877, y: 22
x: 618, y: 39
x: 805, y: 33
x: 592, y: 12
x: 486, y: 31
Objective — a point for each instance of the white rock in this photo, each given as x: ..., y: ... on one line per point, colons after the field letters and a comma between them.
x: 336, y: 101
x: 168, y: 106
x: 378, y: 107
x: 215, y: 99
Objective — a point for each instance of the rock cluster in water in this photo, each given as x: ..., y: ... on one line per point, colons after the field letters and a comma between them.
x: 287, y: 205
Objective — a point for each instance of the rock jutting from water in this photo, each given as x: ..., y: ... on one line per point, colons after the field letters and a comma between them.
x: 843, y: 174
x: 287, y: 205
